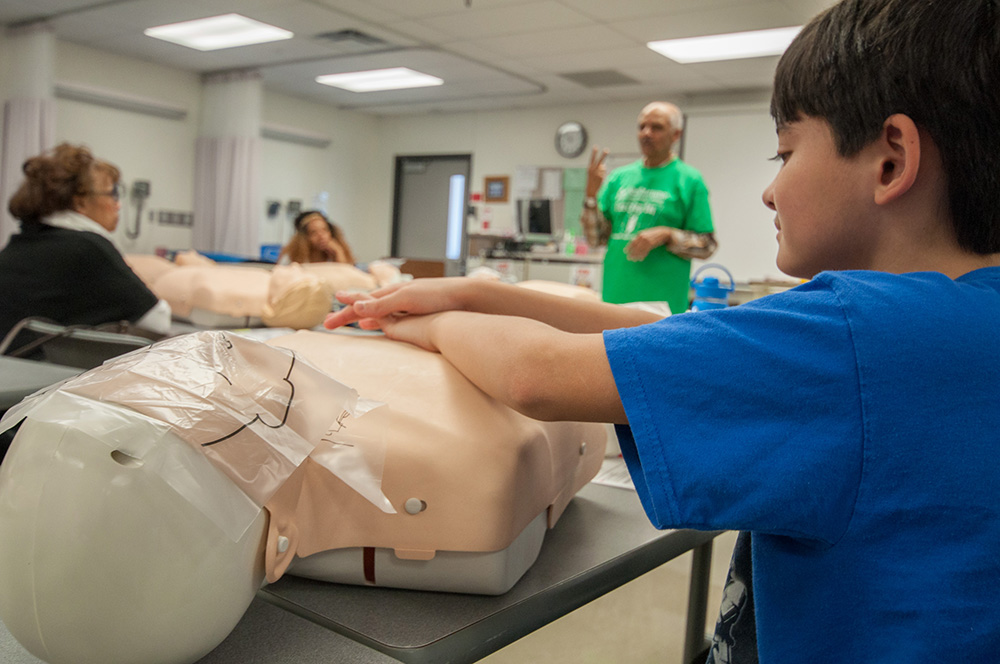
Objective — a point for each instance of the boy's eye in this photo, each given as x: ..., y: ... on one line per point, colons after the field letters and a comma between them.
x: 781, y: 156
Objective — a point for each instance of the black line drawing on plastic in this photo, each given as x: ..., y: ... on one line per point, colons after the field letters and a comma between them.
x: 257, y: 417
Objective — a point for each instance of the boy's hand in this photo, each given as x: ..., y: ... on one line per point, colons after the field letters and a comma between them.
x: 422, y: 296
x: 416, y: 330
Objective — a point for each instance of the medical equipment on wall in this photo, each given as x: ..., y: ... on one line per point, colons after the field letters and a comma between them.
x: 138, y: 195
x: 144, y: 502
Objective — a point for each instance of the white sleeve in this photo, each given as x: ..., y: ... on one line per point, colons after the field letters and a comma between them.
x: 156, y: 319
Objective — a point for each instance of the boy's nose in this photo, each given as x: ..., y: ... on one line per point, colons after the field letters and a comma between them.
x: 768, y: 196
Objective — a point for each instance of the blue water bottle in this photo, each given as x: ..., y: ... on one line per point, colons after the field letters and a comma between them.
x: 708, y: 293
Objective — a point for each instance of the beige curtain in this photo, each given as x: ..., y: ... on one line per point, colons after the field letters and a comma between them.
x: 29, y: 112
x: 227, y: 166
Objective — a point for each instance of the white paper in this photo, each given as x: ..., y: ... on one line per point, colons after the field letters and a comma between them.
x: 525, y: 181
x: 552, y: 184
x: 614, y: 472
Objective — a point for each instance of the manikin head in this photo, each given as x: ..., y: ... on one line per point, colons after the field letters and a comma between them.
x: 132, y: 526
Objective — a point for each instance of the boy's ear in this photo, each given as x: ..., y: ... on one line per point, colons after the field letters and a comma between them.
x: 900, y: 158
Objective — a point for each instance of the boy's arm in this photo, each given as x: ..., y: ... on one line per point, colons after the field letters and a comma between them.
x: 535, y: 369
x: 424, y: 296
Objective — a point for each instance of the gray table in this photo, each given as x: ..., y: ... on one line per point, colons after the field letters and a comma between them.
x: 265, y: 635
x: 19, y: 378
x: 602, y: 541
x: 269, y: 635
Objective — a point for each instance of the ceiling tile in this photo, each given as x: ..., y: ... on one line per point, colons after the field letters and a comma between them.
x: 709, y: 21
x: 621, y: 58
x: 645, y: 9
x: 506, y: 20
x: 493, y: 53
x: 424, y: 8
x: 569, y: 41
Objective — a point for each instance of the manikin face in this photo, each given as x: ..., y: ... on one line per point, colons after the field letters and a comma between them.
x: 102, y: 204
x: 318, y: 232
x: 656, y: 134
x: 823, y: 213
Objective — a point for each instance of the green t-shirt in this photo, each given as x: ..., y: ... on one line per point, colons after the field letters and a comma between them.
x: 634, y: 198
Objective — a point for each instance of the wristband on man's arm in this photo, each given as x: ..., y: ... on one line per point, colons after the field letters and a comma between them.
x: 590, y: 203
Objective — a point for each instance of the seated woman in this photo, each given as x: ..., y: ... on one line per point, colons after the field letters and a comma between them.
x: 63, y: 265
x: 316, y: 240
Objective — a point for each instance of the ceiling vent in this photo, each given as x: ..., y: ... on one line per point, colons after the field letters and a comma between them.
x: 352, y: 40
x: 600, y: 78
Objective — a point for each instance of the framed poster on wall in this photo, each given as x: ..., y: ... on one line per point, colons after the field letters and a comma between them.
x: 496, y: 188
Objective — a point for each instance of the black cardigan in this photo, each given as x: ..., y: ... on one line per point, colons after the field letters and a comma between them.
x: 71, y: 277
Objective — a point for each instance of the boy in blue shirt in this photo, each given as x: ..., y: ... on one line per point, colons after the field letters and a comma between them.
x: 845, y: 427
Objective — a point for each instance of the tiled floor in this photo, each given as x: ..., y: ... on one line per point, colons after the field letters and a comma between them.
x: 639, y: 623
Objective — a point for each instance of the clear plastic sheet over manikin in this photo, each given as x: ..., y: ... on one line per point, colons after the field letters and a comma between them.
x: 238, y: 401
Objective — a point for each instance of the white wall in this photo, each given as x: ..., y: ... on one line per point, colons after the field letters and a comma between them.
x: 162, y: 151
x: 731, y: 148
x: 144, y: 147
x: 501, y: 141
x: 729, y: 142
x: 343, y: 170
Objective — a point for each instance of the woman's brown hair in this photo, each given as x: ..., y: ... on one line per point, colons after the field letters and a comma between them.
x: 54, y: 179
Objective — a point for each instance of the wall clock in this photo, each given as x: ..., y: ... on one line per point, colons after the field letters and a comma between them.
x: 571, y: 139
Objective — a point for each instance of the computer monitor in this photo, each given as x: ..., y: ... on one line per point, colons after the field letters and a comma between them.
x: 534, y: 219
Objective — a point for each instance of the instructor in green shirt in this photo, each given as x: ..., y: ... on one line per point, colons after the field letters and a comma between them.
x: 653, y: 215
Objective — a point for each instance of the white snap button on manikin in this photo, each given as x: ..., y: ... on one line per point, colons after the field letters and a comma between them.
x: 414, y: 506
x: 282, y: 544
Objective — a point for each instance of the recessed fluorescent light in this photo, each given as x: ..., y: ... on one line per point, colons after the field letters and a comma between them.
x: 395, y: 78
x: 732, y: 46
x: 216, y: 32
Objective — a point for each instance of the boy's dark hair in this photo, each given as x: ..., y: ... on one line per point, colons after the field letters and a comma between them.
x: 936, y: 61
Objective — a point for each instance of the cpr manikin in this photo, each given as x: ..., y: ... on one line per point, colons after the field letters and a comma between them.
x: 144, y: 502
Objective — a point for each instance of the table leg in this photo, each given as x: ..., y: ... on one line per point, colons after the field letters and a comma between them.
x: 701, y: 567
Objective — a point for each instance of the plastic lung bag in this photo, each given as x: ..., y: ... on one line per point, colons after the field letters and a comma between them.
x: 228, y: 396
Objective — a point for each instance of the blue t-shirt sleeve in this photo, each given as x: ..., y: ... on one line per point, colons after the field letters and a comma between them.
x: 747, y: 418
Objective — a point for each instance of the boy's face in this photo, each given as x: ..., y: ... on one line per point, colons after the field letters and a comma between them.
x: 824, y: 215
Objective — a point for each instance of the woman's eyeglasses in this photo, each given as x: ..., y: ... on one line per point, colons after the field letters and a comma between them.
x: 116, y: 194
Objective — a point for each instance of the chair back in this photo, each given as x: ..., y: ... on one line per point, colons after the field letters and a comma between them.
x: 84, y: 348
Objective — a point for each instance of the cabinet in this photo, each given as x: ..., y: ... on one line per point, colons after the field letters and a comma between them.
x: 584, y: 270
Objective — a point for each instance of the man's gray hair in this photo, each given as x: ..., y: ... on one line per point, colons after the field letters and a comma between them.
x: 672, y: 111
